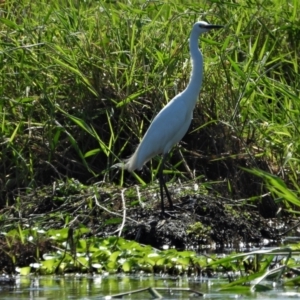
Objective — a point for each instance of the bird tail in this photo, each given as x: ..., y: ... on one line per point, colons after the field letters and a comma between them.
x: 129, y: 164
x: 120, y: 165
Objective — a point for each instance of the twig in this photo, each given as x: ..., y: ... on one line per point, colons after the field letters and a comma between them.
x: 154, y: 292
x: 124, y: 213
x: 289, y: 229
x: 186, y: 165
x: 111, y: 212
x: 142, y: 204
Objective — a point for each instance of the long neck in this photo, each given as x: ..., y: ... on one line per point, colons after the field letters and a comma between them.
x: 195, y: 83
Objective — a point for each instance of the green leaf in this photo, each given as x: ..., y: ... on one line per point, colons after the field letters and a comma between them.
x: 24, y: 271
x: 276, y: 185
x: 113, y: 221
x: 126, y: 266
x: 237, y: 68
x: 10, y: 23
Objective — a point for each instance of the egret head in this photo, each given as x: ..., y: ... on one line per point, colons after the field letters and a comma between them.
x: 202, y: 27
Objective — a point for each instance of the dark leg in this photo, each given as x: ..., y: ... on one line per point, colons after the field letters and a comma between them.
x: 163, y: 185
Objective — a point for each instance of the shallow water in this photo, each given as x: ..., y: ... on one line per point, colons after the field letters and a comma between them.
x: 97, y: 287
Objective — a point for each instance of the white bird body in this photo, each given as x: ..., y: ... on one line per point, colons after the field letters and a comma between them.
x: 166, y: 130
x: 172, y: 122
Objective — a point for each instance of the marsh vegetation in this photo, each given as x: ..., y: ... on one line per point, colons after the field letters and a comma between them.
x: 81, y: 82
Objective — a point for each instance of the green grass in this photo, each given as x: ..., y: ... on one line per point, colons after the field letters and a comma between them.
x: 82, y: 80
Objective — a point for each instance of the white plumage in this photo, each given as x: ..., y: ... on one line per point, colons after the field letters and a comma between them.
x: 172, y: 122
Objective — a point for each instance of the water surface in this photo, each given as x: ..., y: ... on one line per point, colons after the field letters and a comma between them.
x: 97, y: 287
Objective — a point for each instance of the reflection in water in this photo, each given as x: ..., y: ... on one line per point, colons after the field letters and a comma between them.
x: 96, y: 287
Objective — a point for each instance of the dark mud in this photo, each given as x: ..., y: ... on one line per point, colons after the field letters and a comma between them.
x: 200, y: 221
x: 196, y: 222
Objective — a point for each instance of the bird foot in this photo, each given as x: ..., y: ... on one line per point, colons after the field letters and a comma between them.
x: 168, y: 214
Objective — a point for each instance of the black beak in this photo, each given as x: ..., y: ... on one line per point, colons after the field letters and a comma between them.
x: 211, y: 26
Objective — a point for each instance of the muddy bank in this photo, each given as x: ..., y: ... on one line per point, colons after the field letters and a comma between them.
x: 196, y: 222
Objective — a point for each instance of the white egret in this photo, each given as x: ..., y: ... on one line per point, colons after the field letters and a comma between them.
x: 172, y: 122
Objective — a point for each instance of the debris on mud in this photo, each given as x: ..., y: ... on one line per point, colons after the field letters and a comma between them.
x: 196, y: 222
